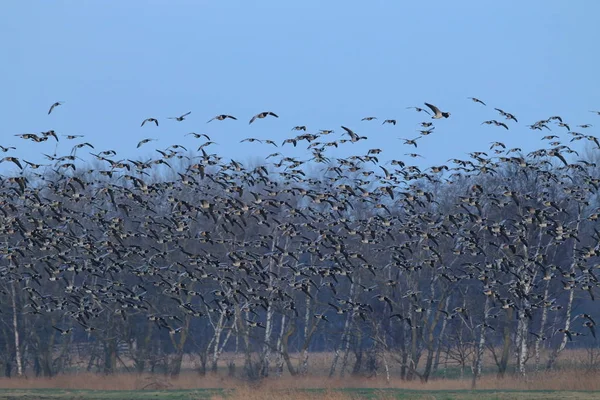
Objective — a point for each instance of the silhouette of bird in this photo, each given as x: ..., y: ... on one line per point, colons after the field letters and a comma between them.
x: 263, y: 114
x: 419, y: 109
x: 53, y: 106
x: 149, y: 120
x: 181, y: 117
x: 222, y: 117
x: 476, y: 100
x: 144, y: 141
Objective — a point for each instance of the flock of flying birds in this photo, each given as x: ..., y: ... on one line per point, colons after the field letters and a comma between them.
x: 223, y: 239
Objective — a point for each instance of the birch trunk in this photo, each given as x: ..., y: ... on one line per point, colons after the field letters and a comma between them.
x: 18, y: 360
x: 438, y: 344
x: 539, y: 338
x: 216, y: 339
x: 481, y: 345
x: 506, y: 341
x: 267, y: 345
x: 279, y: 360
x: 344, y: 340
x: 303, y: 367
x: 563, y: 343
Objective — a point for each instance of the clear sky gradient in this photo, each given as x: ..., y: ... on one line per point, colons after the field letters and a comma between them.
x: 316, y: 63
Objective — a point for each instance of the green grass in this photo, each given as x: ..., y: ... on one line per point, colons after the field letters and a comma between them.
x: 410, y: 394
x: 199, y: 394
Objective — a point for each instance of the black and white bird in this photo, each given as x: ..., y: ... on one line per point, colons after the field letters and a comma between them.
x: 437, y: 114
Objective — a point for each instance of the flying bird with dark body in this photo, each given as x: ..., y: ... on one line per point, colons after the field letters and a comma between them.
x: 419, y: 109
x: 263, y: 114
x: 505, y: 114
x: 149, y: 120
x: 181, y: 117
x: 497, y: 123
x: 53, y: 106
x: 476, y: 100
x: 222, y: 117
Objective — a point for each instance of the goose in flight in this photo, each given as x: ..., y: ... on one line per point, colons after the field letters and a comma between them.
x: 437, y: 113
x: 63, y: 331
x: 181, y: 117
x: 419, y: 109
x: 53, y: 106
x: 411, y: 142
x: 149, y: 120
x: 198, y: 135
x: 476, y: 100
x: 389, y: 121
x: 508, y: 115
x: 497, y: 123
x: 144, y: 141
x: 263, y: 114
x: 222, y: 117
x: 14, y: 160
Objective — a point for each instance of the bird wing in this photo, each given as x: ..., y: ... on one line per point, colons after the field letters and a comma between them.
x: 433, y: 108
x: 14, y: 160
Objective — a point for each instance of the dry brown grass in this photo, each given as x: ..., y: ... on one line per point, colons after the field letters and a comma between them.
x: 572, y: 376
x: 565, y: 380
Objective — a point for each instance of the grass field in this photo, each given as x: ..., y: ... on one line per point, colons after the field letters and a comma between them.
x: 573, y: 379
x: 295, y: 394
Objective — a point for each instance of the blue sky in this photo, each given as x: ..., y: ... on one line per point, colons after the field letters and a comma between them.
x: 316, y: 63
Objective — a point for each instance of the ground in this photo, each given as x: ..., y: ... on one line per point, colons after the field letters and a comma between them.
x: 337, y: 394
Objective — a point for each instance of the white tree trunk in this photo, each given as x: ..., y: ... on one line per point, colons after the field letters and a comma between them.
x: 16, y: 330
x: 563, y: 343
x: 481, y: 344
x: 216, y: 341
x: 523, y: 350
x: 279, y: 361
x: 267, y: 345
x: 538, y: 339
